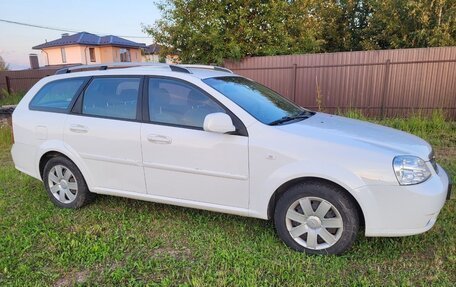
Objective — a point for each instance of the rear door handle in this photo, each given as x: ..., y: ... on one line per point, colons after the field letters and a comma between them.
x: 159, y: 139
x: 79, y: 129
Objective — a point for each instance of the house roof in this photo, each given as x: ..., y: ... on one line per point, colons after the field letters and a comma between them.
x: 153, y: 49
x: 85, y: 38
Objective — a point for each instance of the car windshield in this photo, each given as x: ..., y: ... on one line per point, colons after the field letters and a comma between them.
x: 259, y: 101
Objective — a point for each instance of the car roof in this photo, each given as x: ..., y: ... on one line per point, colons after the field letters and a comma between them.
x: 177, y: 71
x: 195, y: 72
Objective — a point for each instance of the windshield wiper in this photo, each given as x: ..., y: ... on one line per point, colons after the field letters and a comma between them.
x: 301, y: 115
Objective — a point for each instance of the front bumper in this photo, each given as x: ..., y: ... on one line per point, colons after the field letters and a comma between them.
x: 403, y: 210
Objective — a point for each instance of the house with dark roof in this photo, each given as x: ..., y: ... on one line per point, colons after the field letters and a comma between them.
x: 151, y: 53
x: 87, y: 48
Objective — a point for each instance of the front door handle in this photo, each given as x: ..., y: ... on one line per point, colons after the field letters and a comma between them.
x: 159, y: 139
x: 79, y: 129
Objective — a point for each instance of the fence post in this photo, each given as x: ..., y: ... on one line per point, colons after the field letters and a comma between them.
x: 293, y: 88
x: 8, y: 84
x: 385, y: 88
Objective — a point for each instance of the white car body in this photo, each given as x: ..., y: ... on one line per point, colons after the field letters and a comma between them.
x: 233, y: 174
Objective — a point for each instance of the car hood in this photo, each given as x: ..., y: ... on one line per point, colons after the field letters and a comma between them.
x: 334, y: 128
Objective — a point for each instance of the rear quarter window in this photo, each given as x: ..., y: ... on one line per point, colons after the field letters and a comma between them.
x: 57, y: 95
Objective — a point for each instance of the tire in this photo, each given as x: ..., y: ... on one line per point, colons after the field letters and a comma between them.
x: 302, y: 223
x: 66, y: 190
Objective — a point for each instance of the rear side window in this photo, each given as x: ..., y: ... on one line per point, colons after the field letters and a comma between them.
x: 112, y: 98
x: 57, y: 95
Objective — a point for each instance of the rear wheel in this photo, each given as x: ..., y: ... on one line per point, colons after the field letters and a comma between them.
x: 65, y: 184
x: 316, y: 218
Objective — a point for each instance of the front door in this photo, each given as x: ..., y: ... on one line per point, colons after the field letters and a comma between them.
x: 181, y: 160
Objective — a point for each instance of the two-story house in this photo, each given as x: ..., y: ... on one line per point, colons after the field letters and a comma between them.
x: 87, y: 48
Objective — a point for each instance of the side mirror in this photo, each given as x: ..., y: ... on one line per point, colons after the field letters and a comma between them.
x: 218, y: 123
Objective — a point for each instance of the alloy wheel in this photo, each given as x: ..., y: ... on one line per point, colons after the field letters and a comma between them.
x: 314, y: 223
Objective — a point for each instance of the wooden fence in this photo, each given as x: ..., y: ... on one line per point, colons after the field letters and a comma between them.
x: 22, y: 81
x: 380, y: 83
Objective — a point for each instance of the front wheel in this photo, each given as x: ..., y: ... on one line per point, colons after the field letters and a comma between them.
x: 316, y: 218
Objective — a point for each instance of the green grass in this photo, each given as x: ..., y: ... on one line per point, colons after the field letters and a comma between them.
x: 10, y: 98
x: 117, y: 241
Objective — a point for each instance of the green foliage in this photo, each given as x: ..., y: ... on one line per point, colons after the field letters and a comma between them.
x: 3, y: 65
x: 354, y: 114
x: 211, y: 31
x: 411, y: 24
x: 5, y: 136
x: 162, y: 59
x: 343, y: 23
x: 12, y: 98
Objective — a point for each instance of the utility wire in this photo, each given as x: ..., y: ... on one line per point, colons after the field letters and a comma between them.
x: 62, y: 29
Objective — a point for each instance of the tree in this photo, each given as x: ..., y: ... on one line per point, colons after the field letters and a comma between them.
x: 349, y: 25
x: 211, y: 31
x: 343, y: 24
x: 411, y: 24
x: 3, y: 66
x: 207, y: 31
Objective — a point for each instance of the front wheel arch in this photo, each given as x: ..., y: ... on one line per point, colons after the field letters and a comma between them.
x: 284, y: 187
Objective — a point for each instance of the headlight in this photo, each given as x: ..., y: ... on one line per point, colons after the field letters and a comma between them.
x: 410, y: 169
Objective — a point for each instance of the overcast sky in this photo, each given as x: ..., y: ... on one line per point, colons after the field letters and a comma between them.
x: 104, y: 17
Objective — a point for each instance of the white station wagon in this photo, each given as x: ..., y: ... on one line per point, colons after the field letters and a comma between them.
x: 203, y: 137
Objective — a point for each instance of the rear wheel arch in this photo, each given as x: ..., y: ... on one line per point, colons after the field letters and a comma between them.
x: 284, y: 187
x: 64, y: 182
x: 51, y: 154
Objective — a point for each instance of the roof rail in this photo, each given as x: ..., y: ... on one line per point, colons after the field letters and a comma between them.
x: 215, y: 68
x: 175, y: 68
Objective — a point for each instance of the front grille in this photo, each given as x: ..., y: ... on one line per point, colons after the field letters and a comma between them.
x: 433, y: 162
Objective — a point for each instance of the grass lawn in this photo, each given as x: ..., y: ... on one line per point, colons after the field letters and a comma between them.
x: 116, y: 241
x: 10, y: 98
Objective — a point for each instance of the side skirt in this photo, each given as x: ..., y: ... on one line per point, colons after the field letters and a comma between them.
x: 173, y: 201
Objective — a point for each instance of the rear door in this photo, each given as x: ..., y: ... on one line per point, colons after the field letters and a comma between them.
x: 181, y: 160
x: 104, y: 130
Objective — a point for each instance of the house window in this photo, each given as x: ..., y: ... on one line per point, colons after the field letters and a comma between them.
x: 125, y: 55
x: 62, y: 51
x: 92, y: 55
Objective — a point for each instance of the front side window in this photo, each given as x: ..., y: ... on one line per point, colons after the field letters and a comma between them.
x: 112, y: 98
x: 57, y: 95
x: 259, y: 101
x: 178, y: 103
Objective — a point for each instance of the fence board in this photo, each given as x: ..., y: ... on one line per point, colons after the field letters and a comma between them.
x: 22, y: 81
